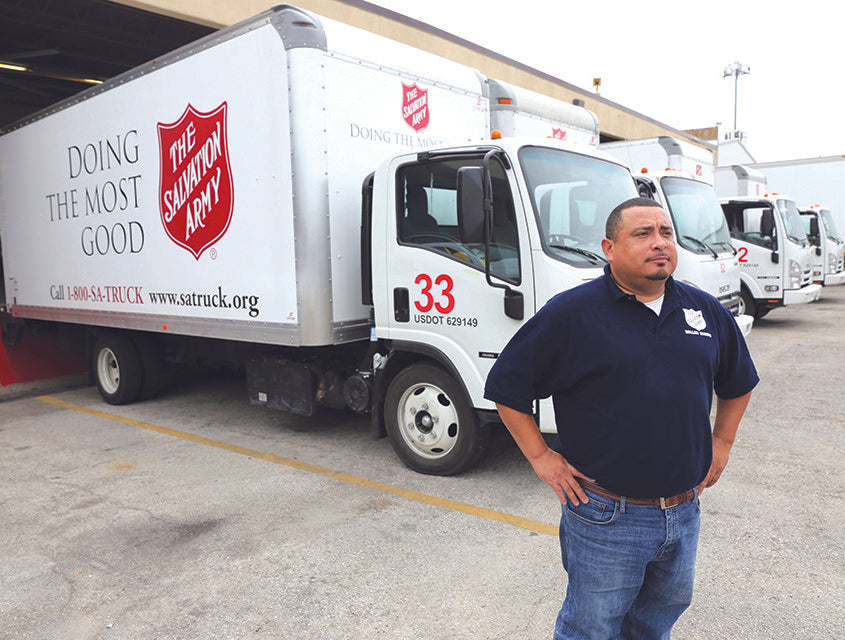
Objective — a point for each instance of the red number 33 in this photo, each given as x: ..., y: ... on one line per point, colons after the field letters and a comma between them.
x: 445, y: 302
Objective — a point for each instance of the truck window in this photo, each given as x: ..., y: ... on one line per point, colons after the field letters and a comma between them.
x: 572, y: 195
x: 829, y: 225
x: 792, y: 222
x: 699, y: 220
x: 752, y: 224
x: 811, y: 228
x: 427, y: 215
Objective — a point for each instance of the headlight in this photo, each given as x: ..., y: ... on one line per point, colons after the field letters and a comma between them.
x: 831, y: 262
x: 794, y: 275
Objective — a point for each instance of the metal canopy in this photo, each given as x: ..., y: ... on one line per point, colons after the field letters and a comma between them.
x: 63, y: 43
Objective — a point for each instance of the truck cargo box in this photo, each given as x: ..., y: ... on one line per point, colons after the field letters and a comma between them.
x: 515, y: 111
x: 216, y: 191
x: 661, y: 153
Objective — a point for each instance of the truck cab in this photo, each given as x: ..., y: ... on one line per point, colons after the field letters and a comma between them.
x: 775, y: 257
x: 449, y: 289
x: 828, y: 268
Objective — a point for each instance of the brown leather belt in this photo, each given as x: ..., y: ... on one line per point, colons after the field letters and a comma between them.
x: 663, y: 503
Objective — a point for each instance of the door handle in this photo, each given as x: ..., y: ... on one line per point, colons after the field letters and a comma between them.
x: 401, y: 305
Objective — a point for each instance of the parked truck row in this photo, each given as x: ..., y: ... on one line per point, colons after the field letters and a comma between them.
x: 779, y: 263
x: 354, y: 222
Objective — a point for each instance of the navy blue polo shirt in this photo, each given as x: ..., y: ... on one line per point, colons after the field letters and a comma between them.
x: 632, y: 391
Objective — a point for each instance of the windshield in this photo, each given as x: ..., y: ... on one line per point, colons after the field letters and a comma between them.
x: 572, y: 196
x: 792, y: 221
x: 699, y: 221
x: 830, y: 225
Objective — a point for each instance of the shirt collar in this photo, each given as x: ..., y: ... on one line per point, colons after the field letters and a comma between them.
x: 671, y: 289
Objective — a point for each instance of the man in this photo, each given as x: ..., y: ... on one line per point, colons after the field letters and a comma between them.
x: 631, y: 361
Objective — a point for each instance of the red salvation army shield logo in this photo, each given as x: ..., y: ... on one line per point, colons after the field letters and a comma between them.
x: 415, y: 106
x: 196, y: 191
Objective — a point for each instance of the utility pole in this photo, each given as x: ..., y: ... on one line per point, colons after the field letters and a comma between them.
x: 736, y: 69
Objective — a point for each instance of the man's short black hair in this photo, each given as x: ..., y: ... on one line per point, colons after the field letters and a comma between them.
x: 614, y: 220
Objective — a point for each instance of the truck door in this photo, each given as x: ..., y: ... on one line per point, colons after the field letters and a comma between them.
x: 754, y: 234
x: 440, y: 301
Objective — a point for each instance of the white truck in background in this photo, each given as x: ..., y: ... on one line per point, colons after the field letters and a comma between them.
x: 679, y: 175
x: 775, y: 256
x: 821, y: 230
x: 317, y: 204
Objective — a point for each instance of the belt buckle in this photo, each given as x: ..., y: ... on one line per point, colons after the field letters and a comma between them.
x: 663, y: 504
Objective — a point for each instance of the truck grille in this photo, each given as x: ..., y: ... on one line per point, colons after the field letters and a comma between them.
x: 807, y: 277
x: 731, y: 302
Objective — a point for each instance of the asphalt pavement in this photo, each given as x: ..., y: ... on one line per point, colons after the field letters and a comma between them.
x: 196, y: 516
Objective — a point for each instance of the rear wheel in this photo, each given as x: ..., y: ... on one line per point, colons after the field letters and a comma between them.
x: 430, y: 423
x: 117, y: 368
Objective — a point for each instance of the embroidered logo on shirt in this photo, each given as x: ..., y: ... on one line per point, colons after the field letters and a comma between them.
x: 695, y: 319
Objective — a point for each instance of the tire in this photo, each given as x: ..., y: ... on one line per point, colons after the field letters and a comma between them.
x: 747, y: 306
x: 117, y: 368
x: 431, y: 424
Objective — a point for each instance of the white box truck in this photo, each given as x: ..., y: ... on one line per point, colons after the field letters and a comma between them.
x: 677, y: 174
x: 821, y: 230
x: 304, y: 199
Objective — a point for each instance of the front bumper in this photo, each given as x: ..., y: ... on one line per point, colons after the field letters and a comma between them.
x: 744, y: 322
x: 803, y: 295
x: 834, y: 278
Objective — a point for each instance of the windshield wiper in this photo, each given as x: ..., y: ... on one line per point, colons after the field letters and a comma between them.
x: 703, y: 244
x: 594, y: 257
x: 723, y: 243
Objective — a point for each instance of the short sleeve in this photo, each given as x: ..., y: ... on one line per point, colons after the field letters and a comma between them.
x: 736, y: 374
x: 529, y: 366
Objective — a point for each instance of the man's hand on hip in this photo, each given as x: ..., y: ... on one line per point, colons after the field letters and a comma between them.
x: 555, y: 471
x: 721, y: 452
x: 549, y: 465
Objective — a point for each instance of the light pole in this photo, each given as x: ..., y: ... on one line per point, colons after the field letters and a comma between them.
x: 736, y: 69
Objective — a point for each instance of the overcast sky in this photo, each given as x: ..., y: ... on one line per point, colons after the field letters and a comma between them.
x: 666, y: 60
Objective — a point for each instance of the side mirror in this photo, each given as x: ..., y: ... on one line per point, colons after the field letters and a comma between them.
x: 645, y: 187
x: 514, y: 304
x: 471, y: 205
x: 775, y: 257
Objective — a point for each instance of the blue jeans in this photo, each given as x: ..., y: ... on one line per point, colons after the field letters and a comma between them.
x: 630, y: 567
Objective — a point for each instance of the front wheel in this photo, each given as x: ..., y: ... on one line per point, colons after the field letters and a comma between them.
x: 430, y: 423
x: 117, y: 368
x: 747, y: 306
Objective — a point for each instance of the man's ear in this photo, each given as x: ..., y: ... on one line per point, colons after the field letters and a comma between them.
x: 607, y: 247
